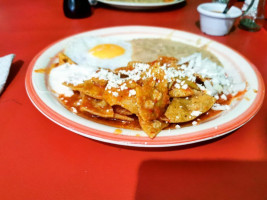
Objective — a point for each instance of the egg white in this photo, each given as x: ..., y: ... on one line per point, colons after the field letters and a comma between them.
x: 78, y: 50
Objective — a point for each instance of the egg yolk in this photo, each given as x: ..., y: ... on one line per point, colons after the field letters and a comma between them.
x: 105, y: 51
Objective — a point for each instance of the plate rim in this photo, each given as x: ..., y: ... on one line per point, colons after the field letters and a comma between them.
x: 143, y: 142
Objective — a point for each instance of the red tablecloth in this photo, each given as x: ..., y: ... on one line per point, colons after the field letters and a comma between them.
x: 41, y: 160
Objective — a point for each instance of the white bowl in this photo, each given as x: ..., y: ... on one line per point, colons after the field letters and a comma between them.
x: 213, y: 21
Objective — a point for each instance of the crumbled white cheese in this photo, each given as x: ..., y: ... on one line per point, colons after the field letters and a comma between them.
x: 219, y: 82
x: 132, y: 92
x: 115, y: 94
x: 194, y: 123
x: 177, y: 126
x: 79, y: 102
x: 74, y: 110
x: 177, y: 85
x: 224, y: 97
x: 185, y: 86
x: 201, y: 87
x: 217, y: 106
x: 196, y: 113
x: 123, y: 86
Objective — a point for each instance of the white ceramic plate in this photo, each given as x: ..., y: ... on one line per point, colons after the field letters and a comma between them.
x: 139, y: 6
x: 241, y: 110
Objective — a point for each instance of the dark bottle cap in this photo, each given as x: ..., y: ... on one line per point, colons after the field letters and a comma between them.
x: 77, y: 8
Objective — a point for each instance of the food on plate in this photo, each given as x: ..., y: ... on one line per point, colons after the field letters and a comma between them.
x: 99, y: 52
x: 148, y: 49
x: 167, y: 92
x: 109, y: 52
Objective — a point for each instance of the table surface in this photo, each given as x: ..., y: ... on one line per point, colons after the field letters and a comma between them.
x: 41, y: 160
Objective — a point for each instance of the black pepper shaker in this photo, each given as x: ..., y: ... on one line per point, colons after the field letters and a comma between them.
x: 77, y: 8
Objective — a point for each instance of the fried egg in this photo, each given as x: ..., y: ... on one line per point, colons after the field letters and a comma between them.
x: 104, y: 52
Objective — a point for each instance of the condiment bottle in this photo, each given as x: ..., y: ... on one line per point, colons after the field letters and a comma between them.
x: 76, y: 8
x: 253, y: 17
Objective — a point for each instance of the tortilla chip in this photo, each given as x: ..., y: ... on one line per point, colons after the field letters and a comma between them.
x: 64, y: 59
x: 120, y: 110
x: 180, y: 109
x: 129, y: 67
x: 122, y: 99
x: 191, y: 84
x: 93, y: 87
x: 181, y: 92
x: 152, y: 128
x: 123, y: 117
x: 201, y: 101
x: 96, y: 107
x: 152, y: 95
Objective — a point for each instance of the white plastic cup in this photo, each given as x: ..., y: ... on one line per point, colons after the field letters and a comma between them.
x: 213, y: 21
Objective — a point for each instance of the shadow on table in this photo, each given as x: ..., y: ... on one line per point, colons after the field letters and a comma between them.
x: 207, y: 179
x: 14, y: 70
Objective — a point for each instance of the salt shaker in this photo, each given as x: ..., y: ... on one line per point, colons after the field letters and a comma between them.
x: 76, y: 8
